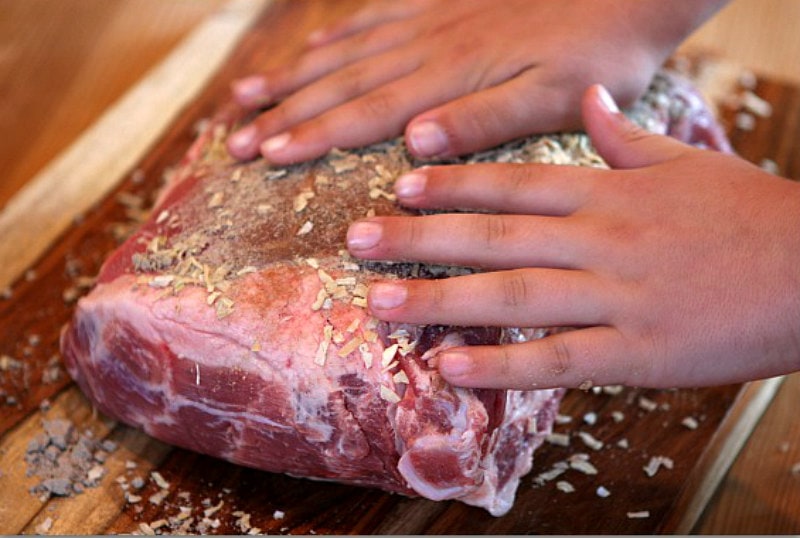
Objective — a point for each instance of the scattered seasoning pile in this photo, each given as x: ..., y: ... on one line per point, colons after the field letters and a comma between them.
x: 65, y: 460
x: 13, y: 373
x: 573, y: 434
x: 180, y: 514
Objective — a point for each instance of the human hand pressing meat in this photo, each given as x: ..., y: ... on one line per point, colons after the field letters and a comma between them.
x: 679, y: 267
x: 457, y: 76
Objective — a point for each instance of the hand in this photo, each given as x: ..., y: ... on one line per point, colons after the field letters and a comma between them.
x: 457, y: 76
x: 678, y: 267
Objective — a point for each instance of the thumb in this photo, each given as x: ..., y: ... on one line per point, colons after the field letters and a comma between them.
x: 622, y: 143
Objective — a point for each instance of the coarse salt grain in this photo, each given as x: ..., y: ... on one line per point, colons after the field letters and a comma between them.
x: 400, y: 378
x: 755, y: 104
x: 305, y: 228
x: 582, y: 464
x: 159, y: 480
x: 655, y: 463
x: 350, y: 347
x: 566, y: 487
x: 389, y: 395
x: 552, y: 474
x: 558, y: 439
x: 45, y: 526
x: 690, y: 422
x: 590, y: 441
x: 388, y: 354
x: 647, y: 404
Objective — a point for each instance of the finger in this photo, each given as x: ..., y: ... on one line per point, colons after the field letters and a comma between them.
x: 259, y: 90
x: 474, y: 240
x: 540, y: 189
x: 622, y: 143
x: 315, y: 100
x: 519, y: 298
x: 381, y: 113
x: 486, y: 118
x: 368, y: 17
x: 581, y: 358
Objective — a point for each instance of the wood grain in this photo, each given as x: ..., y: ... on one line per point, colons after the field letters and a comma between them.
x: 29, y: 323
x: 761, y: 493
x: 84, y: 174
x: 62, y: 64
x: 760, y: 35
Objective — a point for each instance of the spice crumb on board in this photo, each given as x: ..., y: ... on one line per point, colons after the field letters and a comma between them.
x: 558, y: 439
x: 647, y: 404
x: 65, y: 461
x: 45, y: 526
x: 580, y: 462
x: 177, y: 514
x: 566, y: 487
x: 656, y: 463
x: 590, y: 441
x: 690, y: 423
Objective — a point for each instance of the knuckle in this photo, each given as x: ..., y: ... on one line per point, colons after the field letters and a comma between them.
x: 414, y: 234
x: 277, y: 118
x: 504, y: 363
x: 634, y: 134
x: 515, y: 289
x: 518, y: 182
x: 486, y: 117
x: 494, y: 231
x: 374, y: 38
x: 436, y: 294
x: 559, y: 357
x: 378, y: 104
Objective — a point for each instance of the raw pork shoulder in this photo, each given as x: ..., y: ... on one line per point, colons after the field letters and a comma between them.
x: 233, y: 323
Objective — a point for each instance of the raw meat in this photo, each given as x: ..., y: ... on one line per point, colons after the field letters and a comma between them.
x: 233, y: 323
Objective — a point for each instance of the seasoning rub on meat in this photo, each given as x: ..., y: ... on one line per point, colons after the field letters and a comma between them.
x: 234, y: 324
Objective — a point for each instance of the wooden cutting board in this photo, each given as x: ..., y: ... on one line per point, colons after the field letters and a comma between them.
x: 633, y: 425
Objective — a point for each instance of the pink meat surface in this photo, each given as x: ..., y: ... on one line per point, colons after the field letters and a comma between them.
x: 234, y: 324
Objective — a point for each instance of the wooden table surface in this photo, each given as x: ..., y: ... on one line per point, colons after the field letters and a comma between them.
x: 63, y: 64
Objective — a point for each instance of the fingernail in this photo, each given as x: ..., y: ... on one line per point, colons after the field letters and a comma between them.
x: 455, y: 364
x: 427, y: 139
x: 242, y: 139
x: 385, y: 296
x: 606, y: 100
x: 251, y: 89
x: 316, y: 37
x: 410, y: 185
x: 275, y: 144
x: 364, y: 235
